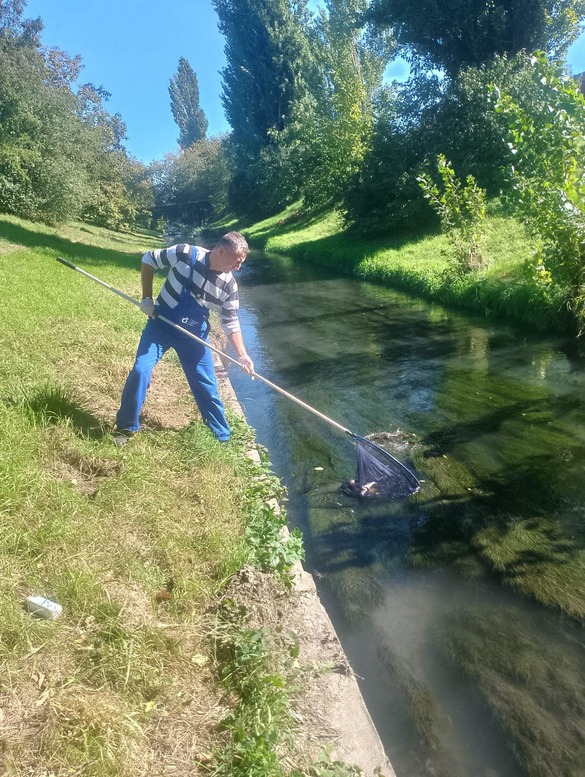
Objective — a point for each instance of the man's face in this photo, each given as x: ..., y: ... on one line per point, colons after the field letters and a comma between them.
x: 229, y: 260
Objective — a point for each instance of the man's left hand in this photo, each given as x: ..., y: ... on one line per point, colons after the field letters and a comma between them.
x: 246, y: 364
x: 147, y: 306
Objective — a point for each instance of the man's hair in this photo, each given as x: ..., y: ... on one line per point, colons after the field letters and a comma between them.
x: 236, y: 242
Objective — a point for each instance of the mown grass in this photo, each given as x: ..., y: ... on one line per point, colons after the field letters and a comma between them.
x: 421, y: 263
x: 134, y: 543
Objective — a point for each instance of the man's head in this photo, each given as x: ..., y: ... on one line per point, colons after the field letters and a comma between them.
x: 229, y: 253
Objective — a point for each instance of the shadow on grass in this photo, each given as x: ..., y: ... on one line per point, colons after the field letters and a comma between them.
x: 52, y: 405
x: 345, y: 250
x: 78, y: 253
x: 294, y: 222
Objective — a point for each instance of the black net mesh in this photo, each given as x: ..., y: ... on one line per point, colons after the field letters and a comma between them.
x: 379, y: 474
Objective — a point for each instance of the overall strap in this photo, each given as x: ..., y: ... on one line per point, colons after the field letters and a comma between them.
x: 192, y: 261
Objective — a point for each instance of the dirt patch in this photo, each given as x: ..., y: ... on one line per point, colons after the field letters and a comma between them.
x: 169, y: 403
x: 181, y: 740
x: 84, y: 472
x: 8, y: 248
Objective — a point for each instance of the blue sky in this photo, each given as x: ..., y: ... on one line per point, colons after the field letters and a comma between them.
x: 132, y: 48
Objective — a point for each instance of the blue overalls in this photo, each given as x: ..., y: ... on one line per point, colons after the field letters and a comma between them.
x: 196, y: 361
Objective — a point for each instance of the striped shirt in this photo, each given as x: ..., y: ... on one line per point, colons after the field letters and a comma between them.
x: 213, y: 290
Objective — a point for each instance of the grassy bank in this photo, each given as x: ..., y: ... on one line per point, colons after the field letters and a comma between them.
x: 421, y: 264
x: 136, y: 544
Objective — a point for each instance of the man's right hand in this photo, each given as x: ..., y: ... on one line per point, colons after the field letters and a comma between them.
x: 246, y: 364
x: 147, y: 306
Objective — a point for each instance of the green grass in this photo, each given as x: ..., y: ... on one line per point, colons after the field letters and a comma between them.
x: 421, y: 263
x: 261, y: 721
x: 134, y: 543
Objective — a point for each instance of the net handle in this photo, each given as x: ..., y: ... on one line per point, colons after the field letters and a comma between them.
x: 254, y: 374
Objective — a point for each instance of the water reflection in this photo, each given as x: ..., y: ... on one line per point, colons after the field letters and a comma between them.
x: 435, y: 598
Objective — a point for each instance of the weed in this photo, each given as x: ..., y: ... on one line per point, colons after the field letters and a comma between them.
x: 270, y: 548
x: 259, y: 736
x: 260, y: 721
x: 328, y: 766
x: 461, y: 209
x: 269, y: 545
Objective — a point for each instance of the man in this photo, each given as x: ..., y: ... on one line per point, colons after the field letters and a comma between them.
x: 198, y: 281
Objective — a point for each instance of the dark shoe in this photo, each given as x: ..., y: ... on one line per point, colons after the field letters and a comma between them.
x: 121, y: 437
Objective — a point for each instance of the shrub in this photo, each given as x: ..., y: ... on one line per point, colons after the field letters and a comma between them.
x: 546, y: 135
x: 461, y: 209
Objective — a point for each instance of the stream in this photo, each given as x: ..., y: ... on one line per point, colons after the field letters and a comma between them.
x: 461, y: 608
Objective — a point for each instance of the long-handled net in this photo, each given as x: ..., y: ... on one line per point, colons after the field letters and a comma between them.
x: 378, y: 474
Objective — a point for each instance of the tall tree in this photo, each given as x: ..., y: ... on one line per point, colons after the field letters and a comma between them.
x: 60, y: 151
x: 453, y: 34
x: 265, y: 86
x: 266, y: 54
x: 187, y: 113
x: 14, y: 27
x: 91, y: 110
x: 192, y: 187
x: 348, y: 74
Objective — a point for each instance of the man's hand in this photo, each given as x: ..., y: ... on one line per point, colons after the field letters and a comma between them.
x: 246, y: 364
x: 237, y: 343
x: 147, y: 306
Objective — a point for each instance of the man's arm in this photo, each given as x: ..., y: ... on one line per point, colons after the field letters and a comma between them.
x: 147, y: 276
x: 237, y: 342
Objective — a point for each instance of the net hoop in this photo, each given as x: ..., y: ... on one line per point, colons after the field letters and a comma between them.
x: 379, y: 473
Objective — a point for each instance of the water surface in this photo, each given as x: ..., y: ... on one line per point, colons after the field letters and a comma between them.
x: 439, y: 599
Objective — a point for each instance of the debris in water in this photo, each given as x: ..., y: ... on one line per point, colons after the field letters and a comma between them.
x: 351, y: 488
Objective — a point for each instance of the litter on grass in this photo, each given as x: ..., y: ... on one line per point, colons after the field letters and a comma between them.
x: 43, y: 608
